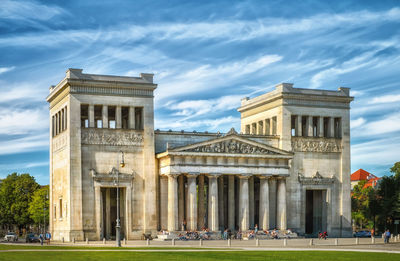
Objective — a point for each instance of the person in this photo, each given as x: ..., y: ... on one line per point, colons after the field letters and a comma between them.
x: 48, y: 237
x: 325, y: 235
x: 41, y: 239
x: 184, y: 224
x: 387, y: 236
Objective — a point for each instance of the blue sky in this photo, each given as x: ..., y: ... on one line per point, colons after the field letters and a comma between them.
x: 205, y: 55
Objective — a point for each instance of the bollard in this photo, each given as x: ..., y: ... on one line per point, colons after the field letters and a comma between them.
x: 125, y: 241
x: 311, y: 242
x: 104, y: 240
x: 373, y: 240
x: 285, y: 242
x: 63, y: 239
x: 201, y: 242
x: 336, y: 242
x: 257, y: 242
x: 147, y: 242
x: 229, y: 242
x: 73, y: 240
x: 173, y: 241
x: 357, y: 242
x: 87, y: 241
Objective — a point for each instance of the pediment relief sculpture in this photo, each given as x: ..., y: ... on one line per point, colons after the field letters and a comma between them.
x: 316, y: 179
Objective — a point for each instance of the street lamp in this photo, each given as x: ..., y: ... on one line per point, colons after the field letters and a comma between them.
x: 118, y: 225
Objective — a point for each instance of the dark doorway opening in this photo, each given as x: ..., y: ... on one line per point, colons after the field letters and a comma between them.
x: 315, y: 212
x: 109, y: 213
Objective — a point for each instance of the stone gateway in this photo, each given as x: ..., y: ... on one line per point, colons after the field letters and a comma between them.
x: 287, y: 168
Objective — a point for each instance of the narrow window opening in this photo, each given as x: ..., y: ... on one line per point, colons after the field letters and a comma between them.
x: 61, y: 214
x: 338, y: 130
x: 293, y: 125
x: 315, y: 126
x: 84, y: 116
x: 139, y: 118
x: 326, y: 126
x: 125, y: 117
x: 98, y: 117
x: 304, y: 126
x: 111, y: 117
x: 274, y: 125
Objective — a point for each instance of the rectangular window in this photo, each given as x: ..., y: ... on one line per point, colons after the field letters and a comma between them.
x: 139, y: 118
x: 61, y: 207
x: 326, y: 126
x: 293, y: 125
x: 84, y: 116
x: 111, y: 117
x: 98, y: 117
x: 304, y: 126
x: 125, y: 117
x: 274, y: 125
x: 338, y: 127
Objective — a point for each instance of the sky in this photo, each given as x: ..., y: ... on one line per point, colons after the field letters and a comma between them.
x: 206, y: 56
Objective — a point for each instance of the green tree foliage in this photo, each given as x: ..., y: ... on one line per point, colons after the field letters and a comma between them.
x: 15, y: 196
x: 39, y: 207
x: 360, y: 205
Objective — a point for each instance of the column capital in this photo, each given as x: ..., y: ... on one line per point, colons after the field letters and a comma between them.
x: 174, y: 175
x: 264, y: 176
x: 245, y: 176
x: 213, y: 175
x: 192, y: 174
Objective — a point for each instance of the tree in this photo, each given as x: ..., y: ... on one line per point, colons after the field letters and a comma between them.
x: 39, y: 207
x: 15, y: 196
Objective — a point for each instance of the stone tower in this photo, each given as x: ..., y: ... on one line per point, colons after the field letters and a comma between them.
x: 96, y: 122
x: 315, y: 126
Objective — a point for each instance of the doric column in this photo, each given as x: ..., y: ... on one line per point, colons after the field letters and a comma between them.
x: 201, y: 207
x: 320, y: 126
x: 221, y: 216
x: 299, y: 126
x: 331, y: 129
x: 192, y: 202
x: 267, y: 127
x: 91, y: 116
x: 272, y: 200
x: 131, y: 117
x: 281, y: 202
x: 172, y: 203
x: 181, y: 201
x: 213, y: 202
x: 251, y: 202
x: 244, y: 203
x: 164, y: 202
x: 264, y: 203
x: 310, y: 131
x: 118, y: 115
x: 231, y: 202
x: 104, y: 115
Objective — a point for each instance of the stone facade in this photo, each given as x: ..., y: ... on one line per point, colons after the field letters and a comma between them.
x: 288, y: 168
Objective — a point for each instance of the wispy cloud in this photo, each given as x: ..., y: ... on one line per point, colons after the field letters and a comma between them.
x: 210, y: 124
x: 28, y: 10
x: 387, y: 124
x: 23, y: 121
x: 6, y: 69
x: 25, y: 144
x: 385, y: 99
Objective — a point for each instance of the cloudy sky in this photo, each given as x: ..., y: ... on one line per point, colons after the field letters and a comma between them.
x: 205, y: 55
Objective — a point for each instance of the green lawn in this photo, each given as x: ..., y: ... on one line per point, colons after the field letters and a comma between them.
x: 191, y: 256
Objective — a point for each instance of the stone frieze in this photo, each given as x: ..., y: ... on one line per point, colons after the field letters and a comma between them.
x: 111, y: 137
x: 312, y: 144
x: 231, y: 146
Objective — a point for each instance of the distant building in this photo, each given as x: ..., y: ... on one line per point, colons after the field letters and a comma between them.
x: 357, y: 176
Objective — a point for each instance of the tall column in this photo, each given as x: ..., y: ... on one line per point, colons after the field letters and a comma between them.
x: 272, y: 205
x: 164, y: 202
x: 104, y: 115
x: 91, y: 116
x: 264, y: 203
x: 172, y: 203
x: 201, y: 207
x: 320, y: 126
x: 97, y: 205
x: 213, y: 203
x: 299, y: 126
x: 331, y: 128
x: 181, y: 201
x: 251, y: 202
x: 131, y: 117
x: 310, y: 131
x: 221, y: 207
x: 267, y: 127
x: 281, y: 202
x: 231, y: 202
x: 108, y: 211
x: 118, y: 120
x: 192, y: 202
x: 244, y: 203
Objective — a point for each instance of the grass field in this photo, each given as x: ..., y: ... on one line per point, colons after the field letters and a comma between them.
x: 165, y: 256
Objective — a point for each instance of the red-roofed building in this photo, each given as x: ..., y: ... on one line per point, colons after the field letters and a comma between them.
x: 357, y: 176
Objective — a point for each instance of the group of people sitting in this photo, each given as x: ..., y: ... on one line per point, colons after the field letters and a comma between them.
x: 204, y: 234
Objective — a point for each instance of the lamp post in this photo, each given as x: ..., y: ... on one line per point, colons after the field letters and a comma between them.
x: 118, y: 225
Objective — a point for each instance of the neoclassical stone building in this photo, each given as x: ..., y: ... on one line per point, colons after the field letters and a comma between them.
x: 288, y: 166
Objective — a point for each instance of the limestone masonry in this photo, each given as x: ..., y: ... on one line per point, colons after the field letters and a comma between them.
x: 288, y: 167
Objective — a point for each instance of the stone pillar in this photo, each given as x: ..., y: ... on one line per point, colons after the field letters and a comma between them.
x: 108, y: 211
x: 331, y: 127
x: 251, y: 202
x: 118, y: 121
x: 320, y: 127
x: 281, y: 204
x: 267, y: 127
x: 244, y: 203
x: 299, y: 126
x: 272, y: 205
x: 104, y: 115
x: 97, y: 205
x: 231, y: 202
x: 213, y: 203
x: 264, y: 203
x: 310, y: 131
x: 164, y: 202
x: 192, y: 203
x: 91, y: 116
x: 221, y: 207
x: 201, y: 208
x: 181, y: 201
x: 172, y: 203
x: 131, y: 117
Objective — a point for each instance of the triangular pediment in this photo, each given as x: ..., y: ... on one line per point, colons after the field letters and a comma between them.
x: 231, y: 143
